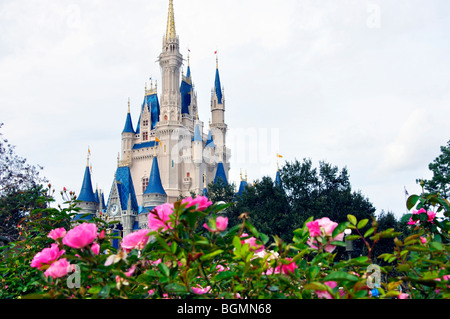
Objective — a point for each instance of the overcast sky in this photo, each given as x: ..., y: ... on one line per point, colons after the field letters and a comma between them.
x: 361, y: 84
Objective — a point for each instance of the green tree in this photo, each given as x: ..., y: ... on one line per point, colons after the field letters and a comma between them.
x: 268, y: 209
x: 440, y: 182
x: 323, y: 192
x: 20, y: 189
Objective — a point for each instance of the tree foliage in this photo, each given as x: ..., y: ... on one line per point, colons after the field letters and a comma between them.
x: 440, y: 182
x: 20, y: 188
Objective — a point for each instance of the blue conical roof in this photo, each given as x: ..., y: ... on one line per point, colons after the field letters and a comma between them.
x: 86, y: 193
x: 220, y: 174
x: 128, y: 125
x: 125, y: 188
x: 210, y: 141
x: 154, y: 182
x: 278, y: 179
x: 218, y: 87
x: 242, y: 187
x: 197, y: 135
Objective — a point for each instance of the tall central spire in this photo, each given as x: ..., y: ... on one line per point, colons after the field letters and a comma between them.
x: 170, y: 32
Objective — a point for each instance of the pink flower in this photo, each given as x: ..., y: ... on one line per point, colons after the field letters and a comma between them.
x: 314, y: 228
x: 95, y: 248
x: 431, y: 215
x: 136, y: 240
x: 158, y: 219
x: 57, y: 233
x: 288, y: 269
x: 423, y: 240
x: 47, y: 256
x: 221, y: 225
x: 130, y: 271
x: 58, y: 269
x: 199, y: 290
x: 324, y: 293
x: 252, y: 242
x: 102, y: 234
x: 81, y: 236
x: 326, y: 227
x: 202, y: 202
x: 403, y: 296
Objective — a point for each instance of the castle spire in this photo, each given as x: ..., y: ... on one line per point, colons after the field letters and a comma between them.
x: 170, y: 32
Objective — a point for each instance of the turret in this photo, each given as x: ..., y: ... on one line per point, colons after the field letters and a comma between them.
x: 154, y: 194
x: 170, y: 61
x: 197, y: 146
x: 88, y: 204
x: 128, y: 135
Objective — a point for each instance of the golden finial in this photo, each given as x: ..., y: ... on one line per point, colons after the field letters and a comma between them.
x: 128, y: 105
x: 241, y: 174
x: 245, y: 175
x: 204, y: 180
x: 118, y: 159
x: 170, y: 32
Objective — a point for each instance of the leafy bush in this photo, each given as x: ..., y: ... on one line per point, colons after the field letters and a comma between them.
x: 189, y: 252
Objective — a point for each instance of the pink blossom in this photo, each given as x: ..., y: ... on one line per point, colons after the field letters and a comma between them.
x: 199, y: 290
x: 57, y: 233
x: 314, y: 228
x: 288, y: 269
x: 102, y: 234
x: 58, y: 269
x: 130, y: 271
x: 81, y: 236
x: 136, y: 240
x: 158, y: 220
x: 252, y: 243
x: 326, y: 229
x: 431, y: 215
x: 403, y: 296
x: 202, y: 202
x: 95, y: 248
x: 47, y: 256
x: 324, y: 293
x: 423, y: 240
x: 221, y: 225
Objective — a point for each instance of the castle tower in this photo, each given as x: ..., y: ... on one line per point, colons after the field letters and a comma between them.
x: 170, y: 61
x: 88, y: 204
x: 128, y: 134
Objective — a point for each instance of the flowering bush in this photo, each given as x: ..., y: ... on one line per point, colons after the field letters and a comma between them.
x: 189, y: 251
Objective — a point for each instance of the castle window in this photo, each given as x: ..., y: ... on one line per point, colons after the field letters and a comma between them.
x: 145, y: 123
x: 144, y: 184
x: 188, y: 175
x: 145, y: 136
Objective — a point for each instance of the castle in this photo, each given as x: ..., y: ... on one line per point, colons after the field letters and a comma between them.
x: 169, y: 141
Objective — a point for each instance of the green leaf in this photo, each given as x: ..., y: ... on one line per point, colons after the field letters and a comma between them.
x: 316, y: 286
x: 412, y: 201
x: 352, y: 219
x: 341, y: 276
x: 252, y: 229
x: 175, y: 288
x: 369, y: 232
x: 225, y: 275
x: 104, y: 292
x: 95, y: 290
x: 362, y: 223
x: 340, y: 229
x: 338, y: 243
x: 211, y: 255
x: 352, y: 237
x: 163, y: 243
x: 164, y: 269
x: 237, y: 243
x: 437, y: 245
